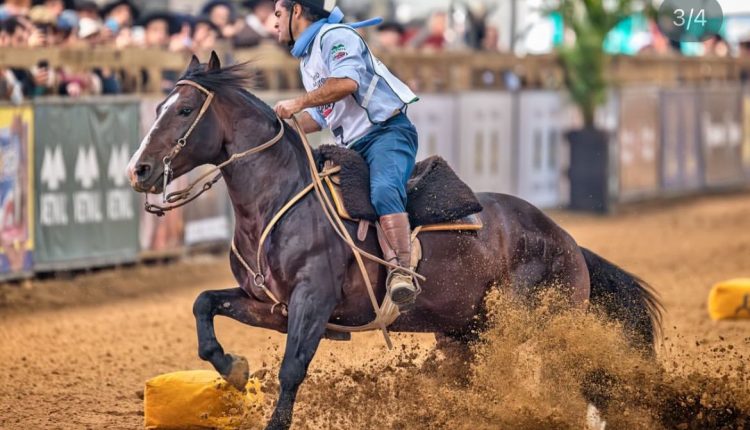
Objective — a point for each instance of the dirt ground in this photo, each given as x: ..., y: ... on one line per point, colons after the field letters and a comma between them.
x: 75, y: 353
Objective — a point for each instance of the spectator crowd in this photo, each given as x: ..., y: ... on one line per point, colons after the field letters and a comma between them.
x: 118, y: 24
x: 235, y: 23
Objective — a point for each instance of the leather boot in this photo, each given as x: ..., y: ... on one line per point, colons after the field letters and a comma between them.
x: 396, y: 243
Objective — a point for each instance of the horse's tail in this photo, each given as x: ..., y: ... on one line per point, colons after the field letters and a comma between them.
x: 625, y: 298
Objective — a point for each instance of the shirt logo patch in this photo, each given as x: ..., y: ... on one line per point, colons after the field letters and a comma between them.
x: 338, y: 52
x: 326, y: 110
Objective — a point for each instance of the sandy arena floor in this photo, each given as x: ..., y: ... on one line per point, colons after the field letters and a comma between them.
x: 75, y: 353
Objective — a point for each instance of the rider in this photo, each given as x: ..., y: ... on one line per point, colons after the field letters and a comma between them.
x: 353, y: 93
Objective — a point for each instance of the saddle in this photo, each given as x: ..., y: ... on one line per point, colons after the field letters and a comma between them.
x: 437, y: 199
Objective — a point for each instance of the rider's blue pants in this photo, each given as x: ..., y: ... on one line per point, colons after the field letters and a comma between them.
x: 390, y: 150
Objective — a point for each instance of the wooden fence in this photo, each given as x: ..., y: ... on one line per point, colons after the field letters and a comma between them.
x: 426, y: 72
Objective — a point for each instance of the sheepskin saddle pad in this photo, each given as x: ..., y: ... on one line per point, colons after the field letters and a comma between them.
x: 435, y: 194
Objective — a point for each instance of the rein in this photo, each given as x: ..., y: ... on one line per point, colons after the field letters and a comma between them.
x: 385, y: 314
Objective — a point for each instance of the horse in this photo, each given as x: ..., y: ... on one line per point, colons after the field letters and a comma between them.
x: 209, y: 117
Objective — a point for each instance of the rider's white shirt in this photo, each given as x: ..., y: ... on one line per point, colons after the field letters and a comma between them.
x: 339, y: 52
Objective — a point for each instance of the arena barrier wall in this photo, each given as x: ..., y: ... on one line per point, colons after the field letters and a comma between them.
x: 434, y: 116
x: 86, y: 213
x: 16, y: 192
x: 208, y: 219
x: 65, y: 202
x: 638, y: 137
x: 159, y: 236
x: 681, y: 155
x: 543, y: 122
x: 720, y: 121
x: 746, y: 132
x: 486, y: 139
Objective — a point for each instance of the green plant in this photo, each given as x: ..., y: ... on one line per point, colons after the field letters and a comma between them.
x: 584, y: 61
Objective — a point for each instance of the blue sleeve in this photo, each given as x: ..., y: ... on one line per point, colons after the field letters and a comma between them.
x: 344, y: 54
x: 318, y: 117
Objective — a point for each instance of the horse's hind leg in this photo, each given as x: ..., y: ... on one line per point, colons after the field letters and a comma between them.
x: 235, y: 304
x: 451, y: 360
x: 309, y: 310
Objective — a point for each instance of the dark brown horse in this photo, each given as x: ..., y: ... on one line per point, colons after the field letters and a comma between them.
x: 307, y: 266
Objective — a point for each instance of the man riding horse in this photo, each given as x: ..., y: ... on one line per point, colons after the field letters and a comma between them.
x: 353, y: 93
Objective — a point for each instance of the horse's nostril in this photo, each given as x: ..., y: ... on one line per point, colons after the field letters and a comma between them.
x: 142, y: 171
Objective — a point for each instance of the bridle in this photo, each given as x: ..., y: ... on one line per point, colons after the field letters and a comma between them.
x: 180, y: 198
x: 181, y: 142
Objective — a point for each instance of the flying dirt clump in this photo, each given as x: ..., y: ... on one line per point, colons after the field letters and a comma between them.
x: 529, y: 369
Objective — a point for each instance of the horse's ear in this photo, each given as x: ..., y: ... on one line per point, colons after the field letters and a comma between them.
x: 214, y: 63
x: 194, y: 62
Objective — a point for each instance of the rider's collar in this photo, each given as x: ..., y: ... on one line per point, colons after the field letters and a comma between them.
x: 302, y: 45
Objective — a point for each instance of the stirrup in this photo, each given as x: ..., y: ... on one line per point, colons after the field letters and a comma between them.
x: 406, y: 294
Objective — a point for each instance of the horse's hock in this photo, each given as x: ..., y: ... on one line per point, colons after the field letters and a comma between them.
x: 197, y: 399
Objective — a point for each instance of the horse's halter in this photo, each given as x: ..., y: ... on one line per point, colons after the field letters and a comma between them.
x: 183, y: 196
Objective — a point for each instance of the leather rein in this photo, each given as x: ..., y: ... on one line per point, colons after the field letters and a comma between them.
x: 177, y: 199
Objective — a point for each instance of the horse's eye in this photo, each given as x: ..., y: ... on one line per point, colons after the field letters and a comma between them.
x: 185, y: 111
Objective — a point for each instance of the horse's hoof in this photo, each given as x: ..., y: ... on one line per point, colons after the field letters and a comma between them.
x: 239, y: 373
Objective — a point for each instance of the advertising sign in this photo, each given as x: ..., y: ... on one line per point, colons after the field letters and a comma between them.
x: 486, y: 141
x: 721, y: 133
x: 85, y: 210
x: 638, y: 140
x: 681, y: 156
x: 16, y: 191
x: 434, y: 115
x: 746, y: 134
x: 208, y: 219
x: 542, y: 119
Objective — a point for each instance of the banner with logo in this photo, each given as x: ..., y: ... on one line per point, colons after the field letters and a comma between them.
x: 208, y: 219
x: 681, y: 155
x: 159, y: 236
x: 486, y: 136
x: 16, y: 192
x: 86, y: 212
x: 638, y: 140
x: 542, y: 119
x: 746, y: 134
x: 434, y: 116
x: 721, y: 134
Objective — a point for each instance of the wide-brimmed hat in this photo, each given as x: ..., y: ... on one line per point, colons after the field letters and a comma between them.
x: 134, y: 11
x: 68, y: 4
x: 205, y: 20
x: 252, y: 4
x: 209, y: 6
x: 174, y: 23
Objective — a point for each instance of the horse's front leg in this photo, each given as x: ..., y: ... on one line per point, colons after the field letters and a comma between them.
x: 310, y: 308
x: 235, y: 304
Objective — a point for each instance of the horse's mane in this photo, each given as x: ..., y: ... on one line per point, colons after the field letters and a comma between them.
x: 229, y: 83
